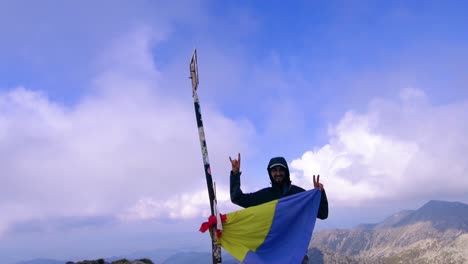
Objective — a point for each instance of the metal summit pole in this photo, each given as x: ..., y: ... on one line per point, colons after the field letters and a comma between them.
x: 216, y: 248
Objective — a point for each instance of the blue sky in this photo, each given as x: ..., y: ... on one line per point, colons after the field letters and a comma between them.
x: 98, y: 134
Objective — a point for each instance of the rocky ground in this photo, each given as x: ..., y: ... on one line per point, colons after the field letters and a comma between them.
x: 121, y: 261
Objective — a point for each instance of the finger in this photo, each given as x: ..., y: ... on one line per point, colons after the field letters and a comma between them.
x: 238, y: 157
x: 314, y: 181
x: 318, y: 178
x: 230, y: 159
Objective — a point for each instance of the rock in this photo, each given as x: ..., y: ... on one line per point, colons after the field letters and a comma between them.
x: 120, y: 261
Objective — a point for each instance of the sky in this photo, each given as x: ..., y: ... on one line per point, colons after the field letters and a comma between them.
x: 99, y: 149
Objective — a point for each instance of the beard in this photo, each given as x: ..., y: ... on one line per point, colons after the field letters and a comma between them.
x: 279, y: 179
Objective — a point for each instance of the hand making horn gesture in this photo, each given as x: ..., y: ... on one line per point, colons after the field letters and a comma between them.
x: 235, y: 163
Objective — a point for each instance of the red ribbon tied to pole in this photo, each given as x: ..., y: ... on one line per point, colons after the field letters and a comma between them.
x: 211, y: 223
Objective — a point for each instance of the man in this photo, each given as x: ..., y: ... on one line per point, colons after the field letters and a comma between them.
x: 281, y: 186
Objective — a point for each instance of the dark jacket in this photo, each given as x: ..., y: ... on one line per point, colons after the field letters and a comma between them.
x: 271, y: 193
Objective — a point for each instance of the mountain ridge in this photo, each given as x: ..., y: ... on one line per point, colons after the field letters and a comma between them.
x: 408, y: 235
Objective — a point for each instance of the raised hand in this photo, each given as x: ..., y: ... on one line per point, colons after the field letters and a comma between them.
x: 317, y: 183
x: 235, y: 163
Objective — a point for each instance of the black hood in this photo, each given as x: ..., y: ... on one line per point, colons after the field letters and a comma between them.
x: 282, y: 161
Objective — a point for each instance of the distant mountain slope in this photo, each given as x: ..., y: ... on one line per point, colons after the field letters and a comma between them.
x: 435, y: 233
x: 42, y: 261
x: 442, y: 215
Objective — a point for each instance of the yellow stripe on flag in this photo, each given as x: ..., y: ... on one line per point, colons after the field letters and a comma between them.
x: 246, y: 229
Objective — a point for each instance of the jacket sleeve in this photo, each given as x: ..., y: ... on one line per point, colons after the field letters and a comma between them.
x: 323, y: 208
x: 242, y: 199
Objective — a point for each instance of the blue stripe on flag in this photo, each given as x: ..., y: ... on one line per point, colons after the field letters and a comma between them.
x: 291, y: 230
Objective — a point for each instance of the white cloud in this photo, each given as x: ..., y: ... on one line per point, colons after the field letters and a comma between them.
x: 395, y: 151
x: 179, y: 206
x: 122, y: 148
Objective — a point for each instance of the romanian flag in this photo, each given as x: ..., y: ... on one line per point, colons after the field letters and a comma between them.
x: 275, y: 232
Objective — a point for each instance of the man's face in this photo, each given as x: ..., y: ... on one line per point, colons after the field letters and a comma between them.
x: 278, y: 173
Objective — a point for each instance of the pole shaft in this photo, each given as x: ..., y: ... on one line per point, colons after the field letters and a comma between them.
x: 216, y: 248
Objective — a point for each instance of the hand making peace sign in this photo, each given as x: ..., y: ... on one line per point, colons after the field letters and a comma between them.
x: 317, y: 184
